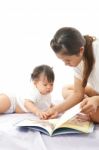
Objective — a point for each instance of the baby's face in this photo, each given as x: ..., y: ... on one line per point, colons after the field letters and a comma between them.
x: 43, y: 85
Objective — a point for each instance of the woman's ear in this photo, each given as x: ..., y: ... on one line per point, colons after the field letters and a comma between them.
x: 81, y: 51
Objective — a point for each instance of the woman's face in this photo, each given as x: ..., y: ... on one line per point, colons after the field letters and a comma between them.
x: 71, y: 60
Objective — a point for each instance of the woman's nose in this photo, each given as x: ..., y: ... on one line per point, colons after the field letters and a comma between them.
x: 66, y: 63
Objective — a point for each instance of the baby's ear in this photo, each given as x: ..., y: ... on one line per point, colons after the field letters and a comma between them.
x: 34, y: 82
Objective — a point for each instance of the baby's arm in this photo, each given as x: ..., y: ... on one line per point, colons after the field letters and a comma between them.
x: 31, y: 107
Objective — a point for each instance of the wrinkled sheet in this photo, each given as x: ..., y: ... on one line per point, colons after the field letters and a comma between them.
x: 13, y: 139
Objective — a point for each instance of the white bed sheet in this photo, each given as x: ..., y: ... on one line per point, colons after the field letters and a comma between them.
x: 13, y: 139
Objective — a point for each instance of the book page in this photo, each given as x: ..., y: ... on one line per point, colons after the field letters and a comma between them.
x: 68, y: 115
x: 79, y: 124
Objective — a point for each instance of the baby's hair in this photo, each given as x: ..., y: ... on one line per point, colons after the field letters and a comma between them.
x: 43, y: 69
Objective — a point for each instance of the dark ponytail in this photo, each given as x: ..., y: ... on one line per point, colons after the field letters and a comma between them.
x: 88, y: 58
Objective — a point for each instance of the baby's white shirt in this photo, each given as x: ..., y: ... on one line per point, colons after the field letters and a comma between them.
x: 32, y: 94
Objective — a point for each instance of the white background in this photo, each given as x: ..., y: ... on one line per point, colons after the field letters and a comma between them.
x: 26, y: 28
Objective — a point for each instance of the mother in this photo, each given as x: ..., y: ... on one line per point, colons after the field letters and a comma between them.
x: 82, y: 53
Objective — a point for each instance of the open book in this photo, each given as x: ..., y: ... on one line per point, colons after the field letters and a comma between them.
x: 69, y: 122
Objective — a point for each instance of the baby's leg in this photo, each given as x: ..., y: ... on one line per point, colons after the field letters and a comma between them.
x: 4, y: 103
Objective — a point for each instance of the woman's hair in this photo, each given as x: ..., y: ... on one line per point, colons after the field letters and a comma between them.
x: 45, y: 70
x: 88, y: 58
x: 68, y: 41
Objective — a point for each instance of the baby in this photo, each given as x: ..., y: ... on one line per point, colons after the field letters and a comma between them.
x: 37, y: 98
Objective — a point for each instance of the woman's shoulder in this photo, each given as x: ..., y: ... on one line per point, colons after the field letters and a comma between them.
x: 96, y: 47
x: 96, y: 43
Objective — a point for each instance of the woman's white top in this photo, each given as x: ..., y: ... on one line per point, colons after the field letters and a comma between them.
x: 93, y: 79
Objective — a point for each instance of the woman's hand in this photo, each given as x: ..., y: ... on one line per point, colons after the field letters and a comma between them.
x: 83, y: 117
x: 89, y: 104
x: 42, y: 114
x: 52, y: 113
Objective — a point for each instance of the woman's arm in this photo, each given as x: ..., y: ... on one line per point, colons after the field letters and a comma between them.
x: 89, y: 105
x: 72, y: 99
